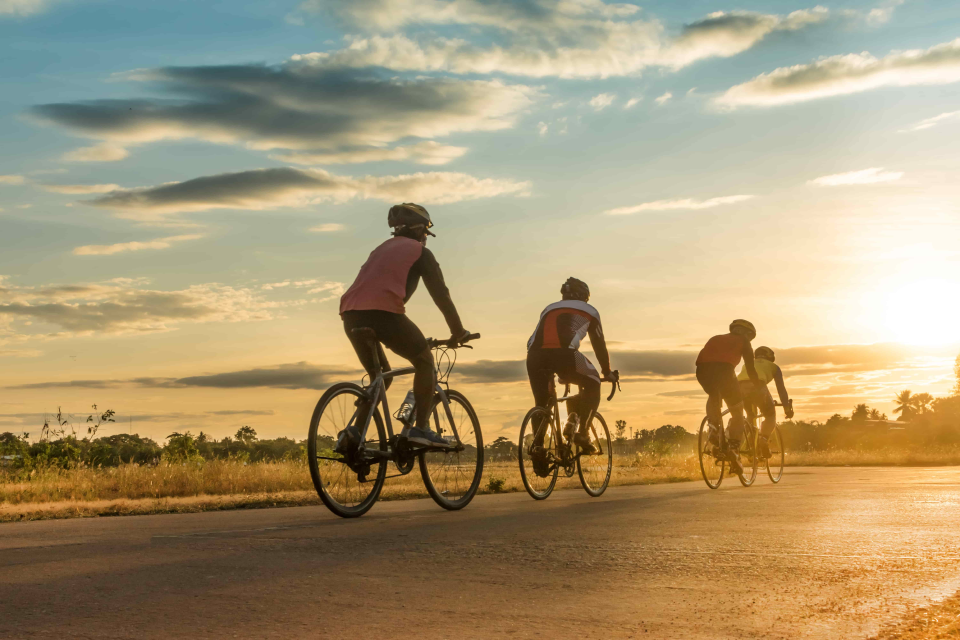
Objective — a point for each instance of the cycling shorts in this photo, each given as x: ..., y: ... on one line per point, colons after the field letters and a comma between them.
x: 394, y: 330
x: 759, y: 398
x: 720, y: 379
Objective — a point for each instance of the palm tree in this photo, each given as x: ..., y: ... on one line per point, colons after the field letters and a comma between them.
x: 876, y: 415
x: 921, y: 402
x: 860, y: 413
x: 905, y: 405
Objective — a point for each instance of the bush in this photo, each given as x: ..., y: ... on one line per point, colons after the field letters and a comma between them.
x: 496, y: 485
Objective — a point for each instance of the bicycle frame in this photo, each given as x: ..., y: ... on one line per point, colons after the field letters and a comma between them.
x: 553, y: 407
x: 748, y: 421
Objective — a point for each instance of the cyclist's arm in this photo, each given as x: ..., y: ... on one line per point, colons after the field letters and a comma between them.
x: 748, y: 363
x: 428, y: 268
x: 599, y: 346
x: 781, y: 388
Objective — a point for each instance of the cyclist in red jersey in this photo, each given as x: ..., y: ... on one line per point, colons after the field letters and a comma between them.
x: 554, y: 348
x: 376, y: 300
x: 716, y: 373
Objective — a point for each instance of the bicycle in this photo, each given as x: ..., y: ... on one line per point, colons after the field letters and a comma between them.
x: 350, y: 483
x: 539, y: 474
x: 711, y: 447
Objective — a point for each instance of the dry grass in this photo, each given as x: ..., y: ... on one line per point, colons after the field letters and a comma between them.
x: 218, y: 484
x: 937, y: 622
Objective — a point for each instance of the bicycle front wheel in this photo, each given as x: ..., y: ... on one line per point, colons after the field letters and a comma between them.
x: 595, y: 469
x: 537, y: 426
x: 776, y: 459
x: 453, y: 477
x: 347, y: 491
x: 711, y: 461
x: 749, y: 456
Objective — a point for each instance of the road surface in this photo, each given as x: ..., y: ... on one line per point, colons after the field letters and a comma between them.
x: 828, y: 553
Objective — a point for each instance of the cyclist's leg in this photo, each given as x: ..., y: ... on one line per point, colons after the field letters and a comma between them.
x: 585, y: 376
x: 730, y: 392
x: 404, y: 338
x: 708, y: 382
x: 769, y: 412
x: 537, y: 367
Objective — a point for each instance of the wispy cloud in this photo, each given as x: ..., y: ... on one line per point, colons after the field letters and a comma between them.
x: 661, y: 100
x: 874, y: 175
x: 602, y: 101
x: 103, y: 152
x: 327, y: 227
x: 678, y: 204
x: 22, y: 7
x: 847, y: 74
x: 125, y: 247
x: 290, y: 187
x: 427, y: 152
x: 632, y: 102
x: 929, y: 123
x: 12, y: 180
x: 80, y: 189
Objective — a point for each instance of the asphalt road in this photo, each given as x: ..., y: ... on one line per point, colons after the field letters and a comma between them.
x: 828, y: 553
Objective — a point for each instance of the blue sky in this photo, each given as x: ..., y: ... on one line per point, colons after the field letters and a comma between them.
x: 694, y: 162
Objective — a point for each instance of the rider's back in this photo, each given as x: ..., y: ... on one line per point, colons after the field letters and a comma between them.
x: 726, y: 348
x: 382, y: 281
x: 563, y: 325
x: 766, y: 371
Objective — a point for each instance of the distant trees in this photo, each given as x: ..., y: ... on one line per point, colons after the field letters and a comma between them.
x: 906, y: 405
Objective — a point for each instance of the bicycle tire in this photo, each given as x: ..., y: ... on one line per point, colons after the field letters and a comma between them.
x: 436, y: 466
x: 707, y: 460
x: 538, y: 487
x: 327, y: 479
x: 748, y: 451
x: 777, y: 456
x: 595, y: 467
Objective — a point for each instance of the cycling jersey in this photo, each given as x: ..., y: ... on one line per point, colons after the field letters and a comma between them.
x: 723, y: 348
x: 564, y: 324
x: 391, y: 275
x: 766, y: 371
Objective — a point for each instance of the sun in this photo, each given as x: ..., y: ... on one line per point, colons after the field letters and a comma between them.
x: 923, y: 312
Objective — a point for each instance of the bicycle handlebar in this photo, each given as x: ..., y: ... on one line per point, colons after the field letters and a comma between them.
x: 452, y: 343
x: 615, y: 383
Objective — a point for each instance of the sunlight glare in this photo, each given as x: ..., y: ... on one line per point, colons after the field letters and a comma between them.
x: 923, y: 312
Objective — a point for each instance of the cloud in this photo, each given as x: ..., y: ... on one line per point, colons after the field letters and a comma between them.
x: 124, y: 247
x: 847, y: 74
x: 80, y: 189
x: 290, y: 187
x: 874, y: 175
x: 122, y: 306
x: 540, y: 38
x: 427, y: 152
x: 684, y: 203
x: 490, y: 371
x: 245, y: 412
x: 881, y: 15
x: 685, y: 393
x: 542, y: 128
x: 104, y: 152
x: 632, y: 102
x: 300, y: 375
x: 929, y: 123
x: 22, y: 7
x: 664, y: 98
x: 12, y: 180
x: 295, y: 106
x: 327, y: 227
x: 602, y: 101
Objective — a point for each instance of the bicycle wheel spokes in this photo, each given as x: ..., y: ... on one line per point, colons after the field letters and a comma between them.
x: 452, y: 477
x: 538, y: 452
x: 347, y: 487
x: 711, y: 464
x: 749, y: 456
x: 595, y: 469
x: 776, y: 459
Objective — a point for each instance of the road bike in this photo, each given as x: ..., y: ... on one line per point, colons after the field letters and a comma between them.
x: 349, y: 483
x: 543, y: 450
x: 712, y: 445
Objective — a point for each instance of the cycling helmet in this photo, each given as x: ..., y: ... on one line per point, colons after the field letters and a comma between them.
x: 409, y: 216
x: 766, y: 353
x: 574, y: 289
x: 745, y: 327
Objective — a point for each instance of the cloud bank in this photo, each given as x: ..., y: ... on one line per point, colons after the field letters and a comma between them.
x: 679, y: 204
x: 874, y: 175
x: 124, y: 247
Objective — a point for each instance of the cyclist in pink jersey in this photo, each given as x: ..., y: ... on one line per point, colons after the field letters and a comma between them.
x: 376, y: 300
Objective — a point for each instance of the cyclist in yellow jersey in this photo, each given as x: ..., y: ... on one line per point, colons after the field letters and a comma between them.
x: 757, y: 396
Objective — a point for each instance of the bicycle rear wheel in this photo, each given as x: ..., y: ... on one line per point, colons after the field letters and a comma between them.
x: 595, y: 469
x: 749, y: 456
x: 345, y: 491
x: 538, y: 486
x: 776, y: 459
x: 711, y: 462
x: 453, y: 477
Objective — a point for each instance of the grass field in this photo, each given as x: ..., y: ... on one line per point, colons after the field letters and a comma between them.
x: 217, y: 484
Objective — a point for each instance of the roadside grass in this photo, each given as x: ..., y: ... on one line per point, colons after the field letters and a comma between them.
x: 52, y: 492
x: 936, y: 622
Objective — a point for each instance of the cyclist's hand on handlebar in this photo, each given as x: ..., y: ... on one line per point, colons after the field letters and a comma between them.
x: 459, y: 339
x: 611, y: 376
x: 788, y: 410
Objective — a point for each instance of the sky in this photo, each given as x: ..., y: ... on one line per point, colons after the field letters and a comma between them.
x: 186, y: 188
